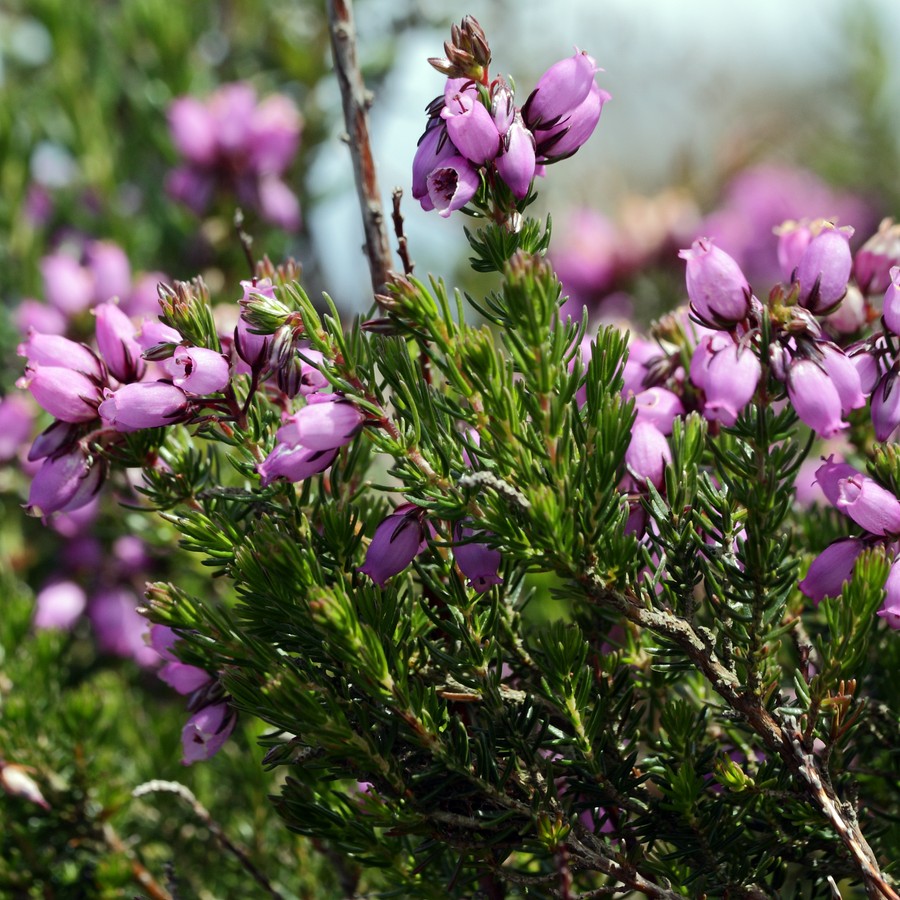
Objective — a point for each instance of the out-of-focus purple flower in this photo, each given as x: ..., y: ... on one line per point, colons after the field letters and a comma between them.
x: 452, y: 185
x: 326, y: 424
x: 143, y: 300
x: 202, y: 371
x: 890, y: 609
x: 718, y: 290
x: 64, y: 482
x: 16, y: 422
x: 234, y: 142
x: 191, y: 187
x: 68, y: 285
x: 275, y: 128
x: 111, y: 271
x: 206, y: 732
x: 891, y: 310
x: 815, y: 398
x: 793, y: 239
x: 397, y: 541
x: 143, y: 404
x: 471, y: 128
x: 60, y: 352
x: 193, y: 130
x: 831, y: 569
x: 278, y: 204
x: 648, y: 454
x: 869, y: 505
x: 131, y: 554
x: 64, y: 393
x: 58, y: 605
x: 183, y: 678
x: 293, y: 463
x: 476, y: 560
x: 586, y: 260
x: 118, y: 626
x: 37, y: 316
x: 516, y: 162
x: 761, y: 198
x: 116, y: 342
x: 876, y: 258
x: 824, y: 269
x: 886, y: 406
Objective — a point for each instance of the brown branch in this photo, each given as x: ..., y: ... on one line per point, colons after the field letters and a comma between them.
x: 402, y: 243
x: 202, y: 813
x: 779, y: 737
x: 356, y: 103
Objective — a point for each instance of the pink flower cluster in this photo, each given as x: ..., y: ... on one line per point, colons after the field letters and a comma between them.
x: 235, y: 143
x: 873, y: 509
x: 476, y: 133
x: 109, y: 387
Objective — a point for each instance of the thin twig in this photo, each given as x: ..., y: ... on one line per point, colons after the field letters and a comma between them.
x: 778, y: 735
x: 202, y: 813
x: 356, y: 103
x: 402, y: 243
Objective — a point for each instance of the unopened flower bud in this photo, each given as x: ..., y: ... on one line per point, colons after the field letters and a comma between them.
x: 824, y: 270
x: 718, y: 290
x: 117, y: 344
x: 476, y: 560
x: 66, y: 394
x: 65, y: 482
x: 815, y: 398
x: 890, y: 609
x: 143, y: 404
x: 396, y: 542
x: 831, y: 569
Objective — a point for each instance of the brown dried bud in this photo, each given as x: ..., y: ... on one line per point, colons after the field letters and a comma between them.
x: 468, y: 52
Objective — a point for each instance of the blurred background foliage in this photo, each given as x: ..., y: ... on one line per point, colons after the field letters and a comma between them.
x: 84, y: 152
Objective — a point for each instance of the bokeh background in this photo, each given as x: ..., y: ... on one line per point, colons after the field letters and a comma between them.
x: 726, y: 118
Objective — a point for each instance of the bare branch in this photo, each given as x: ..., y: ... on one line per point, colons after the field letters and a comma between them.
x: 356, y: 102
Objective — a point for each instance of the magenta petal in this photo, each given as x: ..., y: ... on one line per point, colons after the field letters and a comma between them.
x: 647, y: 454
x: 718, y: 290
x: 869, y: 505
x: 831, y: 569
x: 452, y: 185
x: 206, y: 732
x: 815, y: 398
x: 147, y: 404
x: 890, y: 609
x: 516, y: 163
x: 204, y: 371
x: 294, y: 463
x: 471, y: 128
x: 59, y: 605
x: 183, y: 678
x: 396, y: 542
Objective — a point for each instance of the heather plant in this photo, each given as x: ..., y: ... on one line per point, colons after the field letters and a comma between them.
x: 512, y: 605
